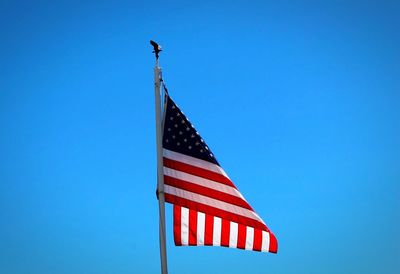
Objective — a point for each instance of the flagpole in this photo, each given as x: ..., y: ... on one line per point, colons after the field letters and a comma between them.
x: 160, y: 177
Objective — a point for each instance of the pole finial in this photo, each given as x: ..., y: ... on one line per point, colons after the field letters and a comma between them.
x: 157, y: 48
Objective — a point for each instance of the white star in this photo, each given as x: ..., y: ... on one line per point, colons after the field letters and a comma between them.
x: 180, y: 132
x: 173, y: 107
x: 178, y: 143
x: 183, y: 121
x: 192, y: 136
x: 171, y: 118
x: 190, y: 147
x: 173, y: 136
x: 207, y: 147
x: 185, y: 140
x: 211, y: 155
x: 169, y: 129
x: 197, y: 143
x: 202, y: 140
x: 201, y: 150
x: 178, y: 114
x: 175, y: 125
x: 188, y: 128
x: 166, y: 140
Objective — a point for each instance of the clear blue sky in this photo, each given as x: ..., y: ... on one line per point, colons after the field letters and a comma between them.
x: 299, y: 100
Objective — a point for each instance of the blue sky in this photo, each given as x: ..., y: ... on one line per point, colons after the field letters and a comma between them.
x: 299, y: 101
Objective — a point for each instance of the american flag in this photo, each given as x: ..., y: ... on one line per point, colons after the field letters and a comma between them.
x: 208, y: 208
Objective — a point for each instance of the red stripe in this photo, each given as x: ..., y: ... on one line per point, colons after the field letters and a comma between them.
x: 241, y: 242
x: 177, y: 225
x: 225, y: 230
x: 215, y: 211
x: 209, y: 230
x: 273, y: 243
x: 192, y: 227
x: 198, y: 171
x: 209, y: 192
x: 257, y: 240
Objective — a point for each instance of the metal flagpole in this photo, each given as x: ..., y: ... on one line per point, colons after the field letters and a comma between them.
x: 160, y: 177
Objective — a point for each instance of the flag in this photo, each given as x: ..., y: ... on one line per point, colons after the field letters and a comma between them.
x: 208, y: 209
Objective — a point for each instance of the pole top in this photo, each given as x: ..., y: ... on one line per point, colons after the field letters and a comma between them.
x: 157, y: 49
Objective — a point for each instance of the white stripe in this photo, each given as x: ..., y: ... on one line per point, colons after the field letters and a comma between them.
x: 201, y: 181
x: 201, y: 223
x: 233, y: 234
x: 249, y: 238
x: 184, y: 226
x: 259, y: 217
x: 265, y: 241
x: 193, y: 161
x: 217, y: 231
x: 211, y: 202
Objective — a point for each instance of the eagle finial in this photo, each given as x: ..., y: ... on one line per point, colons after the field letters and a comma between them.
x: 157, y: 48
